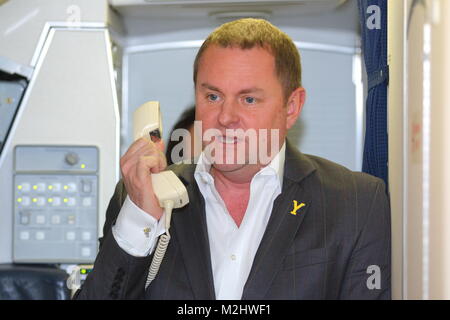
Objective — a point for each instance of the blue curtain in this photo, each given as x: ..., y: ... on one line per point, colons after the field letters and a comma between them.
x: 374, y: 42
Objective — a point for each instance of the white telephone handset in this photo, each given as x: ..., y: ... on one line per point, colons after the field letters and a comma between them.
x: 169, y: 190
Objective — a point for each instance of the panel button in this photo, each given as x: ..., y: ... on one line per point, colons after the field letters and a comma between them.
x: 87, y: 202
x: 86, y: 236
x: 40, y: 219
x: 70, y: 235
x: 25, y: 218
x: 71, y: 202
x: 24, y: 235
x: 71, y: 219
x: 72, y: 187
x: 39, y: 187
x: 24, y: 201
x: 56, y: 219
x: 56, y: 201
x: 40, y: 201
x: 40, y: 235
x: 24, y: 187
x: 86, y: 186
x: 55, y: 187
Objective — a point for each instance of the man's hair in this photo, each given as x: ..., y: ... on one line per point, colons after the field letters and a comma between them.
x: 248, y: 33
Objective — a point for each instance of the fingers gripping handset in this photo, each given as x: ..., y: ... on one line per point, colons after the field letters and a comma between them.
x: 168, y: 190
x: 166, y: 185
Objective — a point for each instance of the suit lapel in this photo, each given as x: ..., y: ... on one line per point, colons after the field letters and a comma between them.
x: 191, y: 232
x: 282, y: 226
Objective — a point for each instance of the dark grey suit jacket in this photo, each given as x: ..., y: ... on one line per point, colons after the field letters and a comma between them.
x: 323, y: 252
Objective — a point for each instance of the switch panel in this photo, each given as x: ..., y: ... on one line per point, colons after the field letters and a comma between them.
x: 56, y: 204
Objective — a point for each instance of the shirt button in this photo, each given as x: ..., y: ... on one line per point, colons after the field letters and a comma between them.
x: 233, y: 257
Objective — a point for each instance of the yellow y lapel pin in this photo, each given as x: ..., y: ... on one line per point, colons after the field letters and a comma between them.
x: 297, y: 207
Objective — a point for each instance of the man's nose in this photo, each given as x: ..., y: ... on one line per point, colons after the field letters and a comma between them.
x: 229, y: 114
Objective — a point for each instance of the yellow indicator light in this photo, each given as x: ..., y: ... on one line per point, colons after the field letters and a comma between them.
x: 66, y: 187
x: 83, y: 271
x: 50, y: 200
x: 83, y: 166
x: 34, y: 187
x: 19, y: 187
x: 34, y: 200
x: 19, y: 200
x: 66, y: 200
x: 50, y: 187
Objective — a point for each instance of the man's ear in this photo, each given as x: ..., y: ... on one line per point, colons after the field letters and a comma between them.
x: 294, y: 106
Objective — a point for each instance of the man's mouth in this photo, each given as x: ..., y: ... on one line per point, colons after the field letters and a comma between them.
x: 228, y: 140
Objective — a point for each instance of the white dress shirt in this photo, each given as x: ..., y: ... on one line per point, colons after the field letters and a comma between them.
x: 232, y: 248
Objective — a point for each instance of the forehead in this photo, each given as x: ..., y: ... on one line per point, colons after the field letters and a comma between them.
x: 236, y: 62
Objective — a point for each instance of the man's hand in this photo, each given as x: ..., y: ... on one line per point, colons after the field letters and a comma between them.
x: 143, y: 158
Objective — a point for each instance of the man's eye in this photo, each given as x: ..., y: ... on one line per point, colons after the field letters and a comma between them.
x: 250, y: 100
x: 213, y: 97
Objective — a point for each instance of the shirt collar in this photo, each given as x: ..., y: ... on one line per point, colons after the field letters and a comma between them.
x: 275, y: 167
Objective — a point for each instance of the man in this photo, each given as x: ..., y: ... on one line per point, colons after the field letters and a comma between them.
x: 298, y: 227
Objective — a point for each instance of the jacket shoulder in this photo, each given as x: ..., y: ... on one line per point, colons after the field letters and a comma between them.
x: 336, y: 177
x: 348, y: 198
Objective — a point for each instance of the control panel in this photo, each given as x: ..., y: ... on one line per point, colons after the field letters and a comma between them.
x: 56, y: 204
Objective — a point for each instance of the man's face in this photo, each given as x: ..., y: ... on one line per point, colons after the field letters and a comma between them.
x: 239, y: 89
